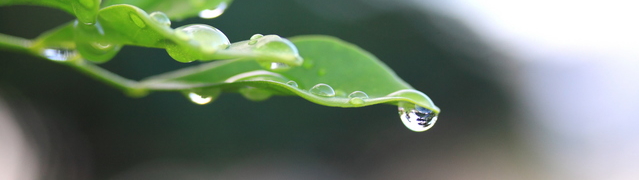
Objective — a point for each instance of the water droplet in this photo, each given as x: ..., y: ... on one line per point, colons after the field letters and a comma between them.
x: 254, y: 38
x: 59, y: 54
x: 209, y: 40
x: 322, y: 89
x: 416, y: 118
x: 276, y: 66
x: 213, y: 13
x: 203, y: 96
x: 93, y: 43
x: 85, y: 10
x: 292, y: 83
x: 255, y: 94
x: 357, y: 97
x: 279, y: 48
x: 199, y: 99
x: 161, y: 18
x: 137, y: 20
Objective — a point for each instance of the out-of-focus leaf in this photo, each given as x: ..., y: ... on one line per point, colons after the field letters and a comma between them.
x: 178, y: 9
x: 84, y: 10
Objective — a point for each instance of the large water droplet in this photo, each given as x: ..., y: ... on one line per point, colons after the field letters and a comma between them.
x: 255, y: 94
x: 416, y: 118
x: 93, y: 43
x: 161, y: 18
x: 322, y: 89
x: 292, y: 83
x: 276, y: 48
x: 213, y: 13
x: 208, y: 38
x: 357, y: 97
x: 203, y: 96
x: 59, y: 54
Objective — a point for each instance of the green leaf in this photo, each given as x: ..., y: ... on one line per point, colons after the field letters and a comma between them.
x: 178, y: 9
x: 84, y: 10
x: 120, y: 25
x: 333, y: 69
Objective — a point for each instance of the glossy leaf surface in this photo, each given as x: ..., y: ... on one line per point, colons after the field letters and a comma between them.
x: 343, y: 67
x: 178, y: 9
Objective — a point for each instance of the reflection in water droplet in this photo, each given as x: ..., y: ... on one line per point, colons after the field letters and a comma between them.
x: 161, y: 18
x: 279, y: 66
x: 254, y: 38
x: 137, y: 20
x: 322, y: 89
x: 416, y: 118
x: 209, y: 40
x: 93, y: 44
x: 199, y: 99
x: 213, y: 13
x: 292, y: 83
x: 357, y: 97
x: 203, y: 96
x: 59, y: 54
x: 255, y: 94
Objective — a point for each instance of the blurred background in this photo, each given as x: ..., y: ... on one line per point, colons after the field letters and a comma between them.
x: 528, y: 90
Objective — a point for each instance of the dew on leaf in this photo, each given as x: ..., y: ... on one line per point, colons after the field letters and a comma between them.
x: 199, y: 99
x: 415, y: 117
x: 357, y: 97
x: 322, y: 89
x: 161, y: 18
x: 93, y: 44
x: 213, y: 13
x: 203, y: 96
x: 255, y: 94
x: 254, y: 38
x: 292, y: 84
x: 209, y: 40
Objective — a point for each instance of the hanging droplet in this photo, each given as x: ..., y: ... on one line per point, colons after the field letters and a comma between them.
x: 137, y: 20
x: 86, y: 10
x: 322, y: 89
x: 199, y: 99
x: 357, y: 97
x: 59, y: 54
x: 213, y: 13
x: 203, y: 96
x: 93, y: 43
x: 161, y: 18
x: 254, y: 38
x: 255, y: 94
x: 208, y: 38
x: 416, y: 118
x: 292, y: 83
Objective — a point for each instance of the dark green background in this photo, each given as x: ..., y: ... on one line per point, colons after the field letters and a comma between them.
x: 97, y: 132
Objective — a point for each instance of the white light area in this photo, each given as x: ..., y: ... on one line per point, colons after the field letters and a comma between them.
x: 213, y: 13
x: 576, y: 77
x: 17, y: 158
x: 199, y: 99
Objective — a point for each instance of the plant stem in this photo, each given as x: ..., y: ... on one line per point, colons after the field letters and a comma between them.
x: 130, y: 87
x: 14, y: 43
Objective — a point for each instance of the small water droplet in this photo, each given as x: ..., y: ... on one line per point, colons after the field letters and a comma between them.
x: 59, y: 54
x: 279, y: 66
x: 161, y: 18
x: 203, y: 96
x: 357, y: 97
x: 254, y: 38
x: 416, y: 118
x: 292, y: 83
x: 322, y: 89
x: 137, y: 20
x: 213, y: 13
x: 255, y: 94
